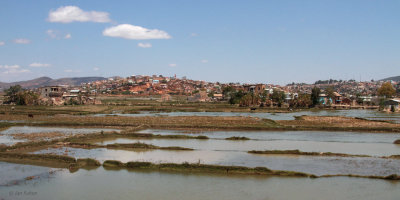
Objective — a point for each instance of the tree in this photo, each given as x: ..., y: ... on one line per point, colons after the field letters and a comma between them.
x: 12, y: 93
x: 264, y: 96
x: 249, y: 99
x: 330, y: 94
x: 302, y: 101
x: 315, y: 96
x: 15, y: 94
x: 386, y: 90
x: 28, y: 98
x: 235, y: 97
x: 278, y: 96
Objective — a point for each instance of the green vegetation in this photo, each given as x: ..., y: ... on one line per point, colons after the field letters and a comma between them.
x: 219, y: 169
x: 237, y: 138
x: 140, y: 145
x: 278, y: 97
x: 302, y: 101
x: 315, y: 92
x: 15, y: 94
x: 113, y: 163
x: 298, y: 152
x: 386, y: 90
x: 88, y: 162
x: 137, y: 145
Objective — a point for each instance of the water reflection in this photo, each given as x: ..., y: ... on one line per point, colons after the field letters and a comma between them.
x: 102, y: 184
x: 368, y: 114
x: 309, y: 164
x: 374, y: 149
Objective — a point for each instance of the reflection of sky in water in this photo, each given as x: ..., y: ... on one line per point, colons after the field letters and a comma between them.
x: 322, y: 136
x: 374, y: 149
x: 309, y: 164
x: 10, y: 173
x: 369, y: 114
x: 9, y: 140
x: 124, y: 185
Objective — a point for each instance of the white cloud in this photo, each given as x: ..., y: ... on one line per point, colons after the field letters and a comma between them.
x: 96, y: 69
x: 9, y: 66
x: 16, y: 71
x: 2, y: 43
x: 35, y: 64
x: 194, y: 34
x: 12, y: 69
x: 204, y: 61
x: 55, y: 34
x: 128, y: 31
x: 144, y: 45
x: 172, y: 65
x: 51, y: 33
x: 72, y: 71
x: 22, y: 41
x: 68, y: 14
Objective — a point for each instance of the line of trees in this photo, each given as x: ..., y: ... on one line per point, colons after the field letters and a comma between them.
x: 17, y: 95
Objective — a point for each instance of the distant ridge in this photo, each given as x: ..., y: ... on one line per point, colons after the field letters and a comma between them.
x: 394, y: 78
x: 47, y: 81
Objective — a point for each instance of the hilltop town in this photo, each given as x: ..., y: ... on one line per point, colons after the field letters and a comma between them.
x: 327, y: 93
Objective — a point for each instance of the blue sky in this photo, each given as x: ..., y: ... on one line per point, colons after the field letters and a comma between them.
x: 229, y: 41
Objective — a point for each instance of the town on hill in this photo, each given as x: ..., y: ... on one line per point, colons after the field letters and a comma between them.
x: 326, y: 93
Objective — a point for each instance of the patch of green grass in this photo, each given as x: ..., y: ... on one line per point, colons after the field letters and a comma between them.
x: 113, y: 163
x: 298, y: 152
x: 237, y: 138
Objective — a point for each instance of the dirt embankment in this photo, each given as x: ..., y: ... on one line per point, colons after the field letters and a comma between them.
x: 339, y: 123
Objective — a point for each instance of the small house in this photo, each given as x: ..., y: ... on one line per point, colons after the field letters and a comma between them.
x: 392, y: 105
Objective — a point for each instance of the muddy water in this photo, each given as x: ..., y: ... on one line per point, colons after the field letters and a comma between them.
x: 368, y: 114
x: 6, y: 136
x: 9, y: 140
x: 373, y: 149
x: 322, y: 136
x: 309, y: 164
x: 122, y: 184
x: 375, y: 144
x: 11, y: 174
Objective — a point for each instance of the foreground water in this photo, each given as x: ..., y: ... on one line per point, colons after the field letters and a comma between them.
x: 123, y: 184
x: 367, y: 114
x: 11, y: 174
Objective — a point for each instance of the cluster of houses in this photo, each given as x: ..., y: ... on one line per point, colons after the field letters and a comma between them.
x: 349, y: 93
x: 62, y: 95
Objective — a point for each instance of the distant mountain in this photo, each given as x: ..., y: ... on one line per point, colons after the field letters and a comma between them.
x: 394, y: 78
x: 46, y: 81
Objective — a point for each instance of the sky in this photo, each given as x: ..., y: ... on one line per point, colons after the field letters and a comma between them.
x: 246, y: 41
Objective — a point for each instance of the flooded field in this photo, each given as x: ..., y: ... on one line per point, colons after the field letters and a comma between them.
x: 37, y: 129
x: 12, y: 174
x: 375, y: 144
x: 317, y: 165
x: 123, y: 184
x: 16, y: 134
x: 322, y: 136
x: 367, y: 114
x: 217, y: 150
